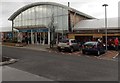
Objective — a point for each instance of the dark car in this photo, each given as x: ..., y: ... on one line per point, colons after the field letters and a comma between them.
x: 68, y: 44
x: 112, y: 47
x: 93, y: 47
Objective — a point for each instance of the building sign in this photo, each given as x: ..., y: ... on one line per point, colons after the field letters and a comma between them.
x: 97, y: 35
x: 35, y: 30
x: 41, y: 30
x: 25, y: 30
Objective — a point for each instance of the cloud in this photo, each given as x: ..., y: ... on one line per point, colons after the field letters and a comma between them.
x: 96, y: 9
x: 7, y: 9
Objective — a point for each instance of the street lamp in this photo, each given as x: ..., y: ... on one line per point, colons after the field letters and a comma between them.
x: 105, y: 5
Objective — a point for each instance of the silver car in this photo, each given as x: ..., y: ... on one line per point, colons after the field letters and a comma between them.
x: 68, y: 44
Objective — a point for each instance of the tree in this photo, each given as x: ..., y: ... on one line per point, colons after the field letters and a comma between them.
x: 52, y: 31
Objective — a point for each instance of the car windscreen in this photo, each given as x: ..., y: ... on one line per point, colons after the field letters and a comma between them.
x: 90, y: 43
x: 64, y: 41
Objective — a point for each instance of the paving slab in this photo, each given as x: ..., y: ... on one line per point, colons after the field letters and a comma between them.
x: 12, y: 74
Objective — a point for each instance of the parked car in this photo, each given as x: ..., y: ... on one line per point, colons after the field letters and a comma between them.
x: 68, y: 44
x: 111, y: 47
x: 93, y: 47
x: 110, y: 44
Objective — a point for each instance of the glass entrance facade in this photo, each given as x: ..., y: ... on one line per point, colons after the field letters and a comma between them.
x: 37, y: 21
x: 41, y: 16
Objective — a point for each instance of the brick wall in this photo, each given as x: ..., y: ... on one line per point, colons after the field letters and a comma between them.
x: 75, y: 18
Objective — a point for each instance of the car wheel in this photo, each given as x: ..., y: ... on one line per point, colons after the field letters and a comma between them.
x: 83, y: 52
x: 59, y: 50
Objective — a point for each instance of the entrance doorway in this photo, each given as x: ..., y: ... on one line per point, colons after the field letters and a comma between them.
x: 35, y: 36
x: 41, y: 37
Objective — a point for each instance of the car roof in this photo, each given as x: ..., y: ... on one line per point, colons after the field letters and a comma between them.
x: 67, y: 39
x: 91, y: 42
x: 71, y: 39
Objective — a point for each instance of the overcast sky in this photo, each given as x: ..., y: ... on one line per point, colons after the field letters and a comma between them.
x: 91, y: 7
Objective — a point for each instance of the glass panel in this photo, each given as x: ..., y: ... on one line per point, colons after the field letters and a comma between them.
x: 40, y: 12
x: 43, y: 11
x: 41, y: 15
x: 55, y: 11
x: 56, y: 23
x: 25, y: 15
x: 16, y: 18
x: 23, y: 18
x: 65, y: 22
x: 60, y: 23
x: 44, y: 15
x: 33, y: 15
x: 48, y: 21
x: 29, y: 16
x: 19, y: 19
x: 65, y: 11
x: 14, y: 22
x: 48, y: 10
x: 59, y: 11
x: 37, y: 15
x: 43, y: 22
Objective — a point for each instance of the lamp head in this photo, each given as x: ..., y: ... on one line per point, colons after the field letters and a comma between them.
x: 105, y: 5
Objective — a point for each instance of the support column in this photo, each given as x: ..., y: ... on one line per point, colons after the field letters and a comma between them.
x: 57, y: 39
x: 19, y: 37
x: 40, y: 38
x: 43, y: 38
x: 49, y: 37
x: 32, y: 39
x: 36, y: 38
x: 12, y: 30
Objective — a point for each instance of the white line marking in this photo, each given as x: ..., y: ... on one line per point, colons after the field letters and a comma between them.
x: 116, y: 55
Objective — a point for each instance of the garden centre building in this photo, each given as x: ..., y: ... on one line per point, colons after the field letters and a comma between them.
x: 38, y: 19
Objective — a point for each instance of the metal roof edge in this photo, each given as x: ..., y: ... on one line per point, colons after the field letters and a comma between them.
x: 45, y: 3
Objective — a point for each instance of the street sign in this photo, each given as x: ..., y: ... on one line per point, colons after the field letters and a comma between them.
x: 35, y: 30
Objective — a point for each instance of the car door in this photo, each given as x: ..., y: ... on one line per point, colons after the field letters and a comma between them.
x: 72, y: 44
x: 75, y: 44
x: 100, y: 47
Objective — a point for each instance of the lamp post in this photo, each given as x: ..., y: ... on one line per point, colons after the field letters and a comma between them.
x: 105, y: 5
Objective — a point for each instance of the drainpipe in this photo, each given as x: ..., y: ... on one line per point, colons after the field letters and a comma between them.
x: 68, y: 4
x: 69, y: 19
x: 74, y: 21
x: 12, y: 31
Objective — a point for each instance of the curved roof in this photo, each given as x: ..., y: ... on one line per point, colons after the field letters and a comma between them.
x: 13, y: 16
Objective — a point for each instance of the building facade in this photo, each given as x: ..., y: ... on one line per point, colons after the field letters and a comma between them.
x: 38, y: 21
x: 87, y: 30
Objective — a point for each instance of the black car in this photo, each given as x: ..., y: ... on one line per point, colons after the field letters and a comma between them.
x: 93, y: 47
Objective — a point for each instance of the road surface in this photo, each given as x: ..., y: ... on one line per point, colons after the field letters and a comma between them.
x: 61, y: 67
